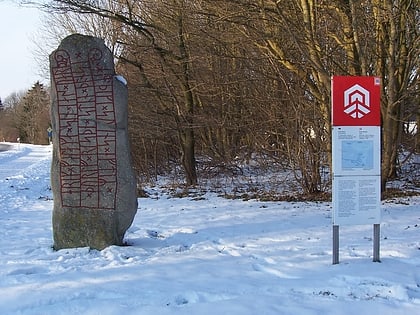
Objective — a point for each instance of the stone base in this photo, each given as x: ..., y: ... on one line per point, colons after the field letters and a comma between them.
x: 85, y: 228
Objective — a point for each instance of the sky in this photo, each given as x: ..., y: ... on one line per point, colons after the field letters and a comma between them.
x: 18, y: 67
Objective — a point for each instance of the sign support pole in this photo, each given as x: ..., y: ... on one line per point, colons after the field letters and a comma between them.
x: 336, y: 244
x: 376, y: 242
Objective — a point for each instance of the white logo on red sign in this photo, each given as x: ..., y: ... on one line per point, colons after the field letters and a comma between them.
x: 356, y: 101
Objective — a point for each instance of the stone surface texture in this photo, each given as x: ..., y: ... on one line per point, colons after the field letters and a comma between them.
x: 92, y: 177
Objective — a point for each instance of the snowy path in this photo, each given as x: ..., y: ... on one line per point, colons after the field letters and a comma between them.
x: 5, y: 147
x: 18, y: 159
x: 202, y: 255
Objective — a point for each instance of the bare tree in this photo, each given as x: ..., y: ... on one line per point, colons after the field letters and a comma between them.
x: 167, y: 41
x: 313, y: 40
x: 397, y: 34
x: 227, y: 79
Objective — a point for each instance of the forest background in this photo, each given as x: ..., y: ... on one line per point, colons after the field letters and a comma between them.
x: 218, y: 85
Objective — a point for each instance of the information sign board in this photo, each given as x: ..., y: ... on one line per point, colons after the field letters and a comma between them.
x: 356, y: 150
x: 356, y: 147
x: 356, y: 161
x: 356, y: 200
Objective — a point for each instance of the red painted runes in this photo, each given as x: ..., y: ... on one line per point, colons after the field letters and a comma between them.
x: 86, y: 130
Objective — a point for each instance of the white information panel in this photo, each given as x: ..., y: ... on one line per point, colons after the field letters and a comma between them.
x: 356, y: 150
x: 356, y: 200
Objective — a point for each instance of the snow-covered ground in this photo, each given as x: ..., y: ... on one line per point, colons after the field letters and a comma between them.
x: 202, y: 255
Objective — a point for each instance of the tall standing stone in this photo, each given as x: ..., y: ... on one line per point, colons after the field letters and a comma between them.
x: 92, y: 178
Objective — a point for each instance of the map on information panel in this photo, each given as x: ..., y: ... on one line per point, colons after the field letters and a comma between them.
x: 357, y: 154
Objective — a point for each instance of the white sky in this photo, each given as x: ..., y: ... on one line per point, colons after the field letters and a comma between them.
x: 18, y: 67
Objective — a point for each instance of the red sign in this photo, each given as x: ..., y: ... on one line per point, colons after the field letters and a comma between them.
x: 356, y: 101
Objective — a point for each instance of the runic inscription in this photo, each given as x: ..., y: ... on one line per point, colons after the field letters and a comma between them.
x: 86, y: 130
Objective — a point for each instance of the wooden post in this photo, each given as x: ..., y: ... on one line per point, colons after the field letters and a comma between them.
x: 376, y: 242
x: 336, y: 244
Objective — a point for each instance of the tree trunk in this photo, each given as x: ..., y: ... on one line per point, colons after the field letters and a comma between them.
x: 188, y: 156
x: 391, y: 129
x: 417, y: 141
x: 393, y: 66
x: 187, y: 132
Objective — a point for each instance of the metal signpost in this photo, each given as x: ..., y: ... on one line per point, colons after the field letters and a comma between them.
x: 356, y: 161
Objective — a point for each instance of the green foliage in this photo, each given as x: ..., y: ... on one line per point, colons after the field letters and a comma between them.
x: 32, y: 115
